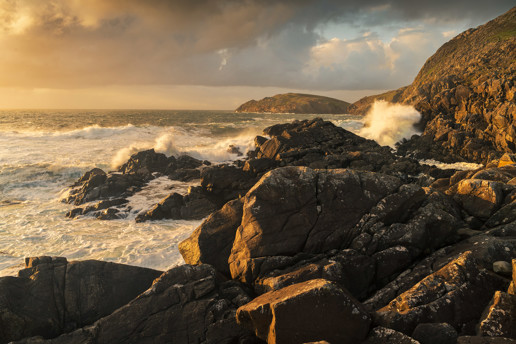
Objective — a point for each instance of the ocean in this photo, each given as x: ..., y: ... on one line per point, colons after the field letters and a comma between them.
x: 43, y: 152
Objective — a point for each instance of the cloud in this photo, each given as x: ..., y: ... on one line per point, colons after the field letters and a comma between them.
x: 90, y: 43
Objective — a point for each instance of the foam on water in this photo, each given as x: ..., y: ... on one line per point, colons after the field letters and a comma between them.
x: 461, y: 166
x: 43, y: 153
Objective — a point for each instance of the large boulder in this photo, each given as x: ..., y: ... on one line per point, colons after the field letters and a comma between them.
x: 382, y: 335
x: 455, y: 294
x: 52, y: 296
x: 311, y: 311
x: 212, y: 241
x: 296, y: 209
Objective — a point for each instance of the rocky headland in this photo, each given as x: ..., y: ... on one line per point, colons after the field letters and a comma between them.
x: 466, y: 95
x: 296, y: 103
x: 317, y: 235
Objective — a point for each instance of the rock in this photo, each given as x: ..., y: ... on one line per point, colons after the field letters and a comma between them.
x: 435, y: 333
x: 184, y: 305
x: 310, y: 311
x: 382, y: 335
x: 232, y: 149
x: 195, y: 205
x: 465, y: 94
x: 456, y: 294
x: 499, y: 318
x: 507, y: 159
x: 225, y: 182
x: 52, y: 296
x: 211, y: 242
x: 502, y: 267
x: 145, y: 163
x: 295, y: 210
x: 504, y: 215
x: 295, y: 103
x: 479, y: 198
x: 349, y: 269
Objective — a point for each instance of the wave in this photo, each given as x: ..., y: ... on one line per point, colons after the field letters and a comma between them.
x: 388, y: 123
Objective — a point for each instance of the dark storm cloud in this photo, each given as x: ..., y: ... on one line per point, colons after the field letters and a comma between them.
x: 84, y: 43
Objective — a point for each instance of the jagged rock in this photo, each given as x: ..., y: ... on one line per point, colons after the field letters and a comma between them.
x: 211, y: 242
x: 52, y: 296
x: 456, y: 294
x: 382, y: 335
x: 504, y: 215
x: 195, y: 205
x: 310, y: 311
x: 101, y: 186
x: 507, y: 159
x: 295, y: 210
x: 499, y: 317
x: 435, y: 333
x: 184, y: 305
x: 349, y: 269
x: 480, y: 198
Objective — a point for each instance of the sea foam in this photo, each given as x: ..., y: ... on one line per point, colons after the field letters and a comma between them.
x: 388, y: 123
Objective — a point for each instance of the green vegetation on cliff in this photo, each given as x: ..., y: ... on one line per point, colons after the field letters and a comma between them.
x: 295, y: 103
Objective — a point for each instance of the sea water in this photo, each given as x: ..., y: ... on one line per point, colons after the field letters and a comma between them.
x: 43, y: 152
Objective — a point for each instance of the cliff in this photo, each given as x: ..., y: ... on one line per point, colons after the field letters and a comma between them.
x: 295, y: 103
x: 465, y: 93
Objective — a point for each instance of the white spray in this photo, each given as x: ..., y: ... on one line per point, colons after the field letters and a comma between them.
x: 388, y: 123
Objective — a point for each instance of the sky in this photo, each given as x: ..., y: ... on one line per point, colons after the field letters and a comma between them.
x: 208, y: 54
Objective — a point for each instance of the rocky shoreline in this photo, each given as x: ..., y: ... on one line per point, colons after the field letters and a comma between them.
x: 313, y: 218
x: 318, y: 235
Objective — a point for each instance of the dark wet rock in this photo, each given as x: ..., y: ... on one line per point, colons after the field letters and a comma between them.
x: 310, y: 311
x: 211, y: 242
x: 382, y: 335
x: 184, y: 305
x: 232, y: 149
x: 100, y: 186
x: 456, y: 294
x: 96, y: 209
x: 499, y: 317
x: 145, y: 163
x: 195, y: 205
x: 435, y: 333
x: 52, y: 296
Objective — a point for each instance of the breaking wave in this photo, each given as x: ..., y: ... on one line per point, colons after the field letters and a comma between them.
x: 388, y: 123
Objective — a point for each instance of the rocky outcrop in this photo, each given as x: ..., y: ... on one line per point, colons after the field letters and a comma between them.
x: 52, y: 296
x: 306, y: 312
x: 456, y: 294
x: 499, y: 318
x: 465, y: 93
x: 184, y: 305
x: 295, y: 103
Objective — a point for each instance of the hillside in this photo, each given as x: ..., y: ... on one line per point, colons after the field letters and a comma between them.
x: 465, y: 92
x: 295, y: 103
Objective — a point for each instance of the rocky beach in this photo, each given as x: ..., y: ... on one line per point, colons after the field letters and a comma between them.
x: 316, y: 234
